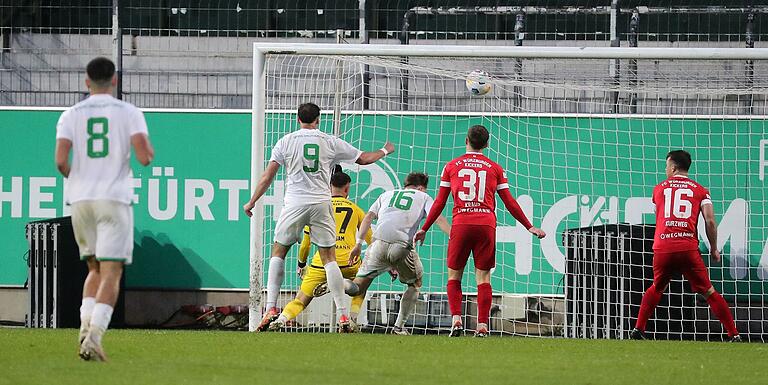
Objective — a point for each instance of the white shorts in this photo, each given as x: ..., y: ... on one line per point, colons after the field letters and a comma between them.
x: 104, y: 229
x: 319, y: 217
x: 383, y: 256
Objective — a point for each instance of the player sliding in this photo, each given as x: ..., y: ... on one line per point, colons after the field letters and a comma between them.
x: 678, y: 202
x: 99, y: 132
x: 348, y: 217
x: 399, y: 213
x: 473, y: 180
x: 307, y: 155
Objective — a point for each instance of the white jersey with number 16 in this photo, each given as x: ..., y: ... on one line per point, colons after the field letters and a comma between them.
x: 100, y: 129
x: 400, y: 213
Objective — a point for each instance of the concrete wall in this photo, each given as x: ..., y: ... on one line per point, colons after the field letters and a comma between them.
x: 194, y: 72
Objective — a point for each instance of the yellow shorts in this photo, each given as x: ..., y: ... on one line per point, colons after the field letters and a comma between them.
x: 316, y: 275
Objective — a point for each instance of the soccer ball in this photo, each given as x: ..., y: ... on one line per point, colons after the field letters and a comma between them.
x: 478, y: 82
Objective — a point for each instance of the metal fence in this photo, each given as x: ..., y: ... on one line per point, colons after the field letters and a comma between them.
x: 197, y: 54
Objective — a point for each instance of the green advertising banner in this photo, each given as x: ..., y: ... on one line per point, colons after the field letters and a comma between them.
x: 188, y: 229
x: 566, y: 171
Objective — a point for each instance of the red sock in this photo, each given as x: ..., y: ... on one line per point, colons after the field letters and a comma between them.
x: 723, y: 313
x: 454, y: 296
x: 651, y: 298
x: 484, y: 299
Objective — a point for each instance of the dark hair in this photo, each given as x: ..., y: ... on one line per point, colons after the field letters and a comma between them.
x: 340, y: 179
x: 308, y: 112
x: 100, y: 70
x: 681, y: 159
x: 417, y: 179
x: 478, y: 137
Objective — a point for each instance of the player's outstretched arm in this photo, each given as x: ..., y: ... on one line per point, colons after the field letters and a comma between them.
x: 63, y: 147
x: 369, y: 157
x: 143, y: 148
x: 710, y: 226
x: 443, y: 224
x: 514, y: 208
x: 434, y: 213
x: 365, y: 227
x: 262, y: 186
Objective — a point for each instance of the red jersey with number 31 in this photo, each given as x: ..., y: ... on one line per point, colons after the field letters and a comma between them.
x: 678, y: 203
x: 474, y: 180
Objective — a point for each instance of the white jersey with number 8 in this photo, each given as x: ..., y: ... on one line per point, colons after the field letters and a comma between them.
x: 100, y: 129
x: 400, y: 213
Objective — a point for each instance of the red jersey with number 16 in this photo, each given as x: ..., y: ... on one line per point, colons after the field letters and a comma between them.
x: 474, y: 180
x: 678, y: 203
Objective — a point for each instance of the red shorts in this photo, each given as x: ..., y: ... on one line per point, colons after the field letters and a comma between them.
x: 479, y: 240
x: 689, y: 263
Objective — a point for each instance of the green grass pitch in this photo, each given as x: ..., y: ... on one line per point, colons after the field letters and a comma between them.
x: 202, y: 357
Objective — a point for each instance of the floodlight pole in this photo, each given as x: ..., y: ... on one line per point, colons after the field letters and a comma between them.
x: 614, y: 71
x: 117, y: 45
x: 750, y: 64
x: 365, y: 39
x: 519, y: 37
x: 404, y: 40
x: 634, y: 29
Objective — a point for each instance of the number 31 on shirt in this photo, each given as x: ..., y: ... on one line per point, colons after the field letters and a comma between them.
x: 474, y: 185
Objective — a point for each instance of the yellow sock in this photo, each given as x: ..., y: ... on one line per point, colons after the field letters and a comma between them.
x: 357, y: 302
x: 292, y: 309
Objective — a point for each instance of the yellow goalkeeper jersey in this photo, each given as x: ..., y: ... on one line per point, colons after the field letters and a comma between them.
x: 348, y: 217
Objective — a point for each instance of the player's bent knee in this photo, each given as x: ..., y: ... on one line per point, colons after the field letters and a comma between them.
x: 362, y: 283
x: 280, y: 250
x: 482, y: 276
x: 303, y: 298
x: 111, y: 269
x: 93, y: 264
x: 455, y: 274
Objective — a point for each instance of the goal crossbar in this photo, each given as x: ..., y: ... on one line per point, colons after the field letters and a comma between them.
x: 662, y: 53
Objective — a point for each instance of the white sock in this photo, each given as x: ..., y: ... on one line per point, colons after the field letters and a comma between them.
x: 407, y: 303
x: 456, y: 318
x: 274, y: 280
x: 336, y: 285
x: 86, y: 309
x: 102, y: 314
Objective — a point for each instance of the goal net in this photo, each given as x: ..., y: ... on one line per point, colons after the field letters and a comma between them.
x: 583, y: 141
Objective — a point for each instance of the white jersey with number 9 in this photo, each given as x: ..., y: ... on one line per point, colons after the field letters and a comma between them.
x: 308, y: 156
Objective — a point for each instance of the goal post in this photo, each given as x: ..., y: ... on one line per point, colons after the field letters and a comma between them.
x: 583, y: 147
x: 256, y: 258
